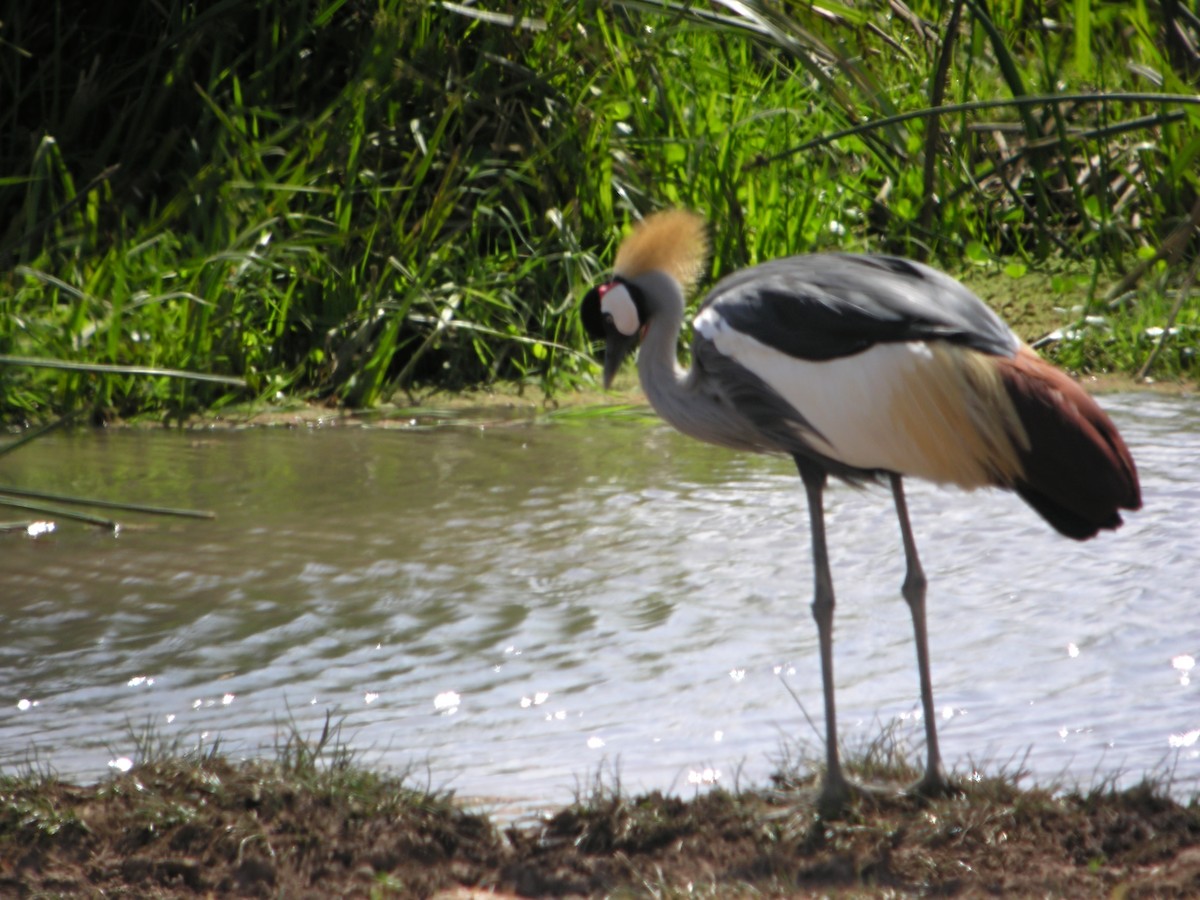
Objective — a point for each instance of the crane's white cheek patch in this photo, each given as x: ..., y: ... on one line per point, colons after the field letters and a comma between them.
x: 620, y: 308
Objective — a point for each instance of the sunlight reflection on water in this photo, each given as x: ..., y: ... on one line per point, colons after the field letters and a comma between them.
x: 521, y: 607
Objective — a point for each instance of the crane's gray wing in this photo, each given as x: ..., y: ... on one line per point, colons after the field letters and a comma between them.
x: 825, y: 306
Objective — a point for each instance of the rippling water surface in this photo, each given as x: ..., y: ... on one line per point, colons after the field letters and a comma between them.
x: 518, y: 607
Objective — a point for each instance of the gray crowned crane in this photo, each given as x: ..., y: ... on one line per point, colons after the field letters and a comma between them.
x: 867, y: 368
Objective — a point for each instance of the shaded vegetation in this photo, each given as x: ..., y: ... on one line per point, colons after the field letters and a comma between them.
x: 313, y: 823
x: 339, y: 199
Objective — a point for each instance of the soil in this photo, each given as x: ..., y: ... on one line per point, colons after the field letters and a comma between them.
x: 216, y: 828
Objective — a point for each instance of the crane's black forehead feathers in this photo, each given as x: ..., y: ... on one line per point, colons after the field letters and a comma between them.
x: 590, y: 315
x: 831, y: 305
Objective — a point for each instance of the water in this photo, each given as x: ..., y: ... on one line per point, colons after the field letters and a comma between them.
x: 516, y: 608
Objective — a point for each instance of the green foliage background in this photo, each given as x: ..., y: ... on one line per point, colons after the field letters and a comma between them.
x: 337, y: 199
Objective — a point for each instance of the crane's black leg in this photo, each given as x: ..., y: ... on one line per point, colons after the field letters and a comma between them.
x: 933, y: 782
x: 835, y: 790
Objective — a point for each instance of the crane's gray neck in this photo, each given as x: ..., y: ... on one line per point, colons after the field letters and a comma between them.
x: 677, y: 395
x: 685, y: 399
x: 662, y: 377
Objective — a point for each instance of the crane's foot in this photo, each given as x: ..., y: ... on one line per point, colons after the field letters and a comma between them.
x: 934, y: 785
x: 841, y: 798
x: 834, y: 799
x: 837, y: 793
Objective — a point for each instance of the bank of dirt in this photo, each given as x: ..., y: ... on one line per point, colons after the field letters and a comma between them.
x: 217, y: 828
x: 505, y: 405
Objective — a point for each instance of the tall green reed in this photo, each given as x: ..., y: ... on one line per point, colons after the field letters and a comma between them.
x: 351, y: 201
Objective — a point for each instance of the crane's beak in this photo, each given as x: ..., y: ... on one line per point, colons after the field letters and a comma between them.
x: 617, y: 347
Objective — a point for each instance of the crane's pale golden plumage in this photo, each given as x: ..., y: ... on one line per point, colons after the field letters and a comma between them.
x: 674, y: 241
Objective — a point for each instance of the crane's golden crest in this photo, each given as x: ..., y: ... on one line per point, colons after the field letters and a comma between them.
x: 674, y: 241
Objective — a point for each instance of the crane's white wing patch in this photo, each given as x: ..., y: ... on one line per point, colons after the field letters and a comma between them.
x: 927, y: 409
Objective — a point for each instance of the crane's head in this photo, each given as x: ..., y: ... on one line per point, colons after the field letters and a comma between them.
x: 674, y: 243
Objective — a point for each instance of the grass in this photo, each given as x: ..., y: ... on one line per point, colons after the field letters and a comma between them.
x: 183, y: 821
x: 179, y: 824
x: 284, y: 196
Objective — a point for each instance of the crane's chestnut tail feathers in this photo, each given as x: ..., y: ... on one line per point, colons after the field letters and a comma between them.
x: 1076, y: 473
